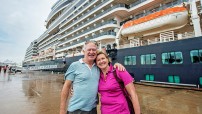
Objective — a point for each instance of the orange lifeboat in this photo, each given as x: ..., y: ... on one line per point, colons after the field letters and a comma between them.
x: 161, y: 21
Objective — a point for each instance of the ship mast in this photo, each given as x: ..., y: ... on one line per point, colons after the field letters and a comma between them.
x: 118, y: 35
x: 195, y: 18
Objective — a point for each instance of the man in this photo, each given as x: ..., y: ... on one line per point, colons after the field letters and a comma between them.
x: 83, y: 77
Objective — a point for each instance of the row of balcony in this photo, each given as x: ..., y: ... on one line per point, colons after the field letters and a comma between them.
x: 76, y: 13
x: 93, y: 28
x: 103, y: 13
x: 51, y: 38
x: 31, y: 51
x: 84, y: 16
x: 51, y: 42
x: 80, y: 26
x: 58, y: 8
x: 87, y: 39
x: 95, y: 8
x: 64, y: 14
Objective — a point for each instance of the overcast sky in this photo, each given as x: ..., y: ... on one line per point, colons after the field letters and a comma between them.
x: 21, y: 21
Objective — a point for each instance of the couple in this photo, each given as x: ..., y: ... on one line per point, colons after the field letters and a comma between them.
x: 87, y: 78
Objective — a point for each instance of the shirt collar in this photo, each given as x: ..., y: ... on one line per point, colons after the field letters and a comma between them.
x: 81, y: 60
x: 111, y: 68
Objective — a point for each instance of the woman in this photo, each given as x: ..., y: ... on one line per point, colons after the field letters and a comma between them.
x: 112, y: 98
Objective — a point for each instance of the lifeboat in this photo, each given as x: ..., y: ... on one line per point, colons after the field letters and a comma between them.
x: 161, y: 21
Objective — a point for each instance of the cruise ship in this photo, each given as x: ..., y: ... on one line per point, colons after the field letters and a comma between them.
x: 158, y: 41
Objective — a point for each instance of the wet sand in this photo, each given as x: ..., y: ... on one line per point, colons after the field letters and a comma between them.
x: 39, y: 93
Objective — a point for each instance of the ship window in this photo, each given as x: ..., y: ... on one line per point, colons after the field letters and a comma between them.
x: 172, y: 58
x: 148, y: 59
x: 200, y: 80
x: 164, y: 58
x: 196, y: 56
x: 130, y: 60
x: 178, y: 57
x: 149, y: 77
x: 153, y: 59
x: 142, y: 59
x: 173, y: 79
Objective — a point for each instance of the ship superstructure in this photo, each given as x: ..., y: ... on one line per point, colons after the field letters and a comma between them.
x: 72, y: 22
x: 31, y: 52
x: 124, y: 24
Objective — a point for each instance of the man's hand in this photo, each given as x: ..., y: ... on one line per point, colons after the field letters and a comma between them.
x: 71, y: 91
x: 64, y: 96
x: 119, y: 66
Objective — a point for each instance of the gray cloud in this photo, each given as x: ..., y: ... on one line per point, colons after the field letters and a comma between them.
x: 21, y: 22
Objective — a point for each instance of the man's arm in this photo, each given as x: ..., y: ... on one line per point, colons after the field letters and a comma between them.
x: 64, y: 96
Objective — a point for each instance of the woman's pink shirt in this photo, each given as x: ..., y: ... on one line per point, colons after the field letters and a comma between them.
x: 112, y: 97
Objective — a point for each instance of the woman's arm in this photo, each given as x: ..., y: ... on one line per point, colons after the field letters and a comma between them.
x: 64, y: 96
x: 134, y: 98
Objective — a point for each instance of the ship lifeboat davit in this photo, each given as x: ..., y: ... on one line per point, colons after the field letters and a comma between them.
x: 164, y: 20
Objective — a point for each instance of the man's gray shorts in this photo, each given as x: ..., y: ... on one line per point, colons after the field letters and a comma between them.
x: 93, y: 111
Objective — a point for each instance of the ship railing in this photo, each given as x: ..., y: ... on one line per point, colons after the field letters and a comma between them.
x: 87, y: 39
x: 48, y: 45
x: 164, y: 6
x: 137, y: 3
x: 93, y: 9
x: 50, y: 39
x: 97, y: 16
x: 51, y: 42
x: 98, y: 25
x: 172, y: 4
x: 55, y: 10
x: 185, y: 35
x: 59, y: 19
x: 143, y: 42
x: 84, y: 15
x: 72, y: 16
x: 50, y: 54
x: 84, y: 32
x: 188, y: 35
x: 153, y: 41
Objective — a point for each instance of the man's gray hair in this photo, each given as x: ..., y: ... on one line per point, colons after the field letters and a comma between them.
x: 87, y: 42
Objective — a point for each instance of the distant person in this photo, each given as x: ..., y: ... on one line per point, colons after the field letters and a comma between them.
x: 5, y: 68
x: 64, y: 61
x: 113, y: 100
x: 10, y: 69
x: 83, y: 76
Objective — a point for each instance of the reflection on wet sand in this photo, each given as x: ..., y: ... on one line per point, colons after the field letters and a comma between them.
x: 39, y: 93
x: 43, y: 91
x: 35, y: 93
